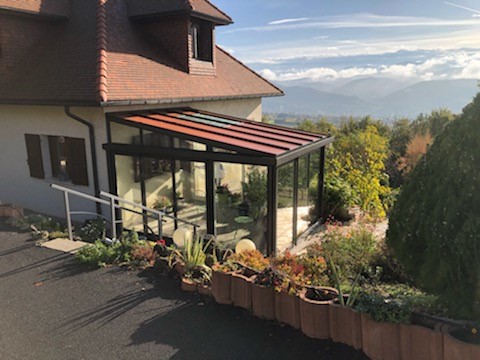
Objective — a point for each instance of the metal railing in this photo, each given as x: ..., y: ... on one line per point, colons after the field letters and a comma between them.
x: 116, y: 203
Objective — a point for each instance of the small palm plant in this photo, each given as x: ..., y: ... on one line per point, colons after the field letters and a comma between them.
x: 193, y: 255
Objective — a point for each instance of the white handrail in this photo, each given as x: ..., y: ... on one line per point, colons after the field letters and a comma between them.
x: 114, y: 204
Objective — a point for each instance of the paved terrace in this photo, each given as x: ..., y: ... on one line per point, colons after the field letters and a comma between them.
x: 51, y: 308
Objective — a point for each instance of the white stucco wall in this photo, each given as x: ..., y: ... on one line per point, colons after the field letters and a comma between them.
x: 16, y: 185
x: 243, y: 108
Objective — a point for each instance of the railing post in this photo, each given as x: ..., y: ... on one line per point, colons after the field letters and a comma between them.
x: 69, y: 219
x: 114, y: 218
x: 160, y: 227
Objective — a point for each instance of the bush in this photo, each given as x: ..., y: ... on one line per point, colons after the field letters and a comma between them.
x: 93, y: 230
x: 434, y: 227
x: 39, y: 222
x: 337, y: 197
x: 394, y: 303
x: 102, y: 254
x: 347, y: 256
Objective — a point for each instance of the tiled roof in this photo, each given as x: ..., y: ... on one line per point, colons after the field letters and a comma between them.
x: 41, y: 7
x: 149, y: 8
x: 100, y: 56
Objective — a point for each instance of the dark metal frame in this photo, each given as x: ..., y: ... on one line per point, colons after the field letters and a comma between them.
x: 209, y: 157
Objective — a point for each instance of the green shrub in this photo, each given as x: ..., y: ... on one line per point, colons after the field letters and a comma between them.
x: 394, y: 303
x: 102, y: 254
x: 337, y: 197
x: 347, y: 256
x: 434, y: 226
x: 255, y: 191
x: 93, y: 230
x: 39, y: 222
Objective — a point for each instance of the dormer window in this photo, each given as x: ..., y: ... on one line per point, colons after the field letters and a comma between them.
x: 202, y: 40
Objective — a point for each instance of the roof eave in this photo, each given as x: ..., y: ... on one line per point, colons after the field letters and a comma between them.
x: 184, y: 100
x: 32, y: 14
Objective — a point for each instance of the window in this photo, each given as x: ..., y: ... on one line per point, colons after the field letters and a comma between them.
x: 202, y: 40
x: 57, y: 157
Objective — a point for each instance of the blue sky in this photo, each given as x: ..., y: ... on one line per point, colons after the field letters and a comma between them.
x: 340, y: 40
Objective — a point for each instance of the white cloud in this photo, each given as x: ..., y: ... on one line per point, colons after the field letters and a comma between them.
x: 357, y: 21
x: 455, y: 65
x: 291, y: 51
x: 476, y: 13
x: 286, y: 21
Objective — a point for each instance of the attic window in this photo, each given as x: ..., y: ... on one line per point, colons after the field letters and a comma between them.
x: 202, y: 40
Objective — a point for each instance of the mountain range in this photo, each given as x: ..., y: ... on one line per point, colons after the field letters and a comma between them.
x: 382, y: 98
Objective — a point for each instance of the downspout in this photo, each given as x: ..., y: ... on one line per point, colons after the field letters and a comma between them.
x: 93, y: 152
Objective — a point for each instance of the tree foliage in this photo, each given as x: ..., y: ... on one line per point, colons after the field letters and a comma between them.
x: 434, y: 226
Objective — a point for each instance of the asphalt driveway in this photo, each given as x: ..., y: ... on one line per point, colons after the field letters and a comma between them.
x: 52, y: 308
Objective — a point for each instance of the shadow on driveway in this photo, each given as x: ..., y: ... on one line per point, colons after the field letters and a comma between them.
x: 53, y: 308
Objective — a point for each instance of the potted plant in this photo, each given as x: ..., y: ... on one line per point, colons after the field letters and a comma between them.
x: 316, y: 297
x: 287, y: 304
x: 263, y: 293
x: 381, y: 326
x: 190, y: 260
x: 249, y: 264
x: 461, y: 342
x: 347, y: 256
x: 314, y: 311
x: 222, y: 282
x: 163, y: 204
x: 197, y: 279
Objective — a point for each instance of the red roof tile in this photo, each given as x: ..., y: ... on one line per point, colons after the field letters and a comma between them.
x: 150, y: 8
x: 100, y: 56
x: 42, y: 7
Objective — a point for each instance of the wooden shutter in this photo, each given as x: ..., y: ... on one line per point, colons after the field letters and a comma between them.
x: 76, y: 161
x: 34, y: 152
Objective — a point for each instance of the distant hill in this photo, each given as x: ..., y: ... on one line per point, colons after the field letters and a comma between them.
x: 381, y: 98
x: 425, y: 96
x: 371, y: 88
x: 305, y: 100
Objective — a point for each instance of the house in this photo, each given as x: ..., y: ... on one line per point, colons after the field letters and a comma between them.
x: 134, y: 97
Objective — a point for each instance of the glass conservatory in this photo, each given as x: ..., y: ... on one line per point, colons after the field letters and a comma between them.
x: 234, y: 178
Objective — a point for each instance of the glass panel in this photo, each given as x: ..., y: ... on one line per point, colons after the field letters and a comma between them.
x: 123, y: 134
x: 156, y: 139
x: 159, y: 193
x: 129, y: 189
x: 188, y: 145
x: 285, y: 207
x: 241, y: 204
x: 224, y: 151
x: 303, y: 209
x: 191, y: 193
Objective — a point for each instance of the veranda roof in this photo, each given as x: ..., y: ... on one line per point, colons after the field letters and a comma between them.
x: 240, y: 135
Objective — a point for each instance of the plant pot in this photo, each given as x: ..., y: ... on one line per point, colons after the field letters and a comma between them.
x: 188, y: 285
x: 287, y: 309
x: 345, y: 325
x: 314, y: 318
x: 204, y: 289
x: 418, y: 342
x: 457, y: 349
x: 242, y: 290
x: 11, y: 211
x: 221, y: 287
x: 179, y: 268
x: 381, y: 341
x: 263, y: 301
